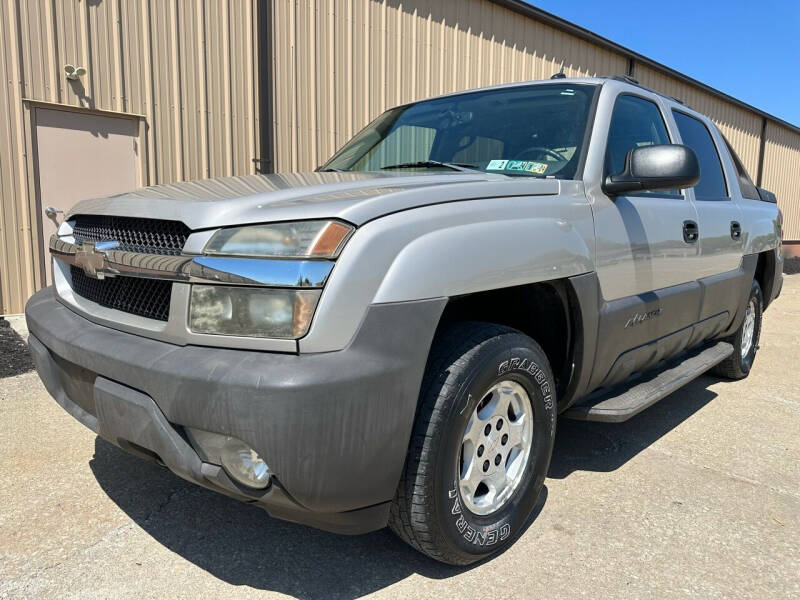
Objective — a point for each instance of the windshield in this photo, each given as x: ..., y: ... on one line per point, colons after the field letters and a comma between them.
x: 530, y: 131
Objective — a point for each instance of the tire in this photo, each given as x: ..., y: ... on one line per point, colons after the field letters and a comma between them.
x: 429, y: 511
x: 738, y: 364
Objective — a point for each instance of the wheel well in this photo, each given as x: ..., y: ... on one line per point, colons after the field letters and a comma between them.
x: 765, y: 274
x: 539, y: 310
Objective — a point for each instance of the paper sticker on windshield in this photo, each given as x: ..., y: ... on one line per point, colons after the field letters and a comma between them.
x: 536, y: 167
x: 516, y: 165
x: 496, y: 165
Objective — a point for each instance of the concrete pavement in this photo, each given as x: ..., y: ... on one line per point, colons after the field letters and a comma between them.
x: 698, y: 496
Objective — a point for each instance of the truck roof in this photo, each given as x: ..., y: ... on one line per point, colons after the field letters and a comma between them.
x: 598, y: 80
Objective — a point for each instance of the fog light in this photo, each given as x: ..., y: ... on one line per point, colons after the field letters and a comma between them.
x: 239, y: 460
x: 244, y: 464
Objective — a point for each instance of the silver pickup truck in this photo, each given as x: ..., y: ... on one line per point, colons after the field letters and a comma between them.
x: 389, y: 339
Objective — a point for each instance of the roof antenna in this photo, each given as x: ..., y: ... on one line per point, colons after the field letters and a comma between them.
x: 560, y: 74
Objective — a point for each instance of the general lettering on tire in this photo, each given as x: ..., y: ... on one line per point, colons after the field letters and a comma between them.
x: 485, y: 537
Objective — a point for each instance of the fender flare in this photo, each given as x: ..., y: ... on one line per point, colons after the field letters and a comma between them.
x: 476, y: 257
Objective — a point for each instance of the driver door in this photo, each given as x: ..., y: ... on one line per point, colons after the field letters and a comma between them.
x: 645, y: 253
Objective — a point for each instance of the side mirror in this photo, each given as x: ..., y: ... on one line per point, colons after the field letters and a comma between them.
x: 666, y: 167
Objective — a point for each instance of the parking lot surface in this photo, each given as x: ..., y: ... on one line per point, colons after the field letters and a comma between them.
x: 698, y: 496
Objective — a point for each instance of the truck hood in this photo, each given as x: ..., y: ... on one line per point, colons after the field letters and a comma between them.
x: 353, y: 197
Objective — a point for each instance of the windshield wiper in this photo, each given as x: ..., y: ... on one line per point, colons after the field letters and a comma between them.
x: 435, y: 163
x: 330, y: 170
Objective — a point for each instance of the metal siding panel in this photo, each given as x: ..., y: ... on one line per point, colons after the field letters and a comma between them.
x: 246, y: 131
x: 19, y: 268
x: 340, y: 63
x: 227, y: 97
x: 33, y: 61
x: 191, y: 86
x: 19, y: 264
x: 284, y: 86
x: 258, y: 15
x: 781, y: 175
x: 102, y: 68
x: 241, y: 89
x: 148, y: 102
x: 134, y: 49
x: 68, y: 25
x: 201, y: 85
x: 10, y: 263
x: 176, y: 100
x: 116, y: 53
x: 304, y: 118
x: 162, y: 92
x: 326, y: 59
x: 214, y: 89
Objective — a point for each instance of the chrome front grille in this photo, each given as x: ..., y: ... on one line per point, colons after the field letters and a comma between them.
x: 138, y: 296
x: 147, y: 236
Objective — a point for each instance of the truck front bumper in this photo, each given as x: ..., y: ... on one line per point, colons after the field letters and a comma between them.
x: 333, y: 427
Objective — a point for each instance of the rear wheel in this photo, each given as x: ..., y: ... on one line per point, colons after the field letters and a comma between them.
x: 481, y: 444
x: 745, y: 340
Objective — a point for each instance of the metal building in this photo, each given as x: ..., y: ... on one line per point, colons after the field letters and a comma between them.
x: 100, y: 96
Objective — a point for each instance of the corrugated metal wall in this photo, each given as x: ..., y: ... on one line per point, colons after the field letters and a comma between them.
x: 190, y: 69
x: 360, y: 57
x: 187, y: 66
x: 19, y: 257
x: 782, y: 174
x: 337, y: 64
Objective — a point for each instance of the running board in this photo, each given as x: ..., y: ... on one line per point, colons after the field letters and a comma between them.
x: 617, y: 405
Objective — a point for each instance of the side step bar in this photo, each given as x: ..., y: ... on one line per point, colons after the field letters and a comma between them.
x: 620, y: 404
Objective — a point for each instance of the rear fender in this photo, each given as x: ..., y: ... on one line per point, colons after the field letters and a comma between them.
x: 763, y: 234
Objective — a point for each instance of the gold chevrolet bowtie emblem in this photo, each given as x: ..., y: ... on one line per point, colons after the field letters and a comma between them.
x: 91, y: 257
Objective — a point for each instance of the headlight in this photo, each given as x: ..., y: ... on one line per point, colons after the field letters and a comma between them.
x: 276, y: 310
x: 302, y: 239
x: 252, y: 312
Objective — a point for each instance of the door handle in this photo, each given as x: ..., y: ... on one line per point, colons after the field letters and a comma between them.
x: 691, y: 232
x: 736, y: 230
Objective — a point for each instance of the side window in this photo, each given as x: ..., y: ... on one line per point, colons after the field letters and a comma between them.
x: 696, y: 135
x: 745, y: 183
x: 635, y: 122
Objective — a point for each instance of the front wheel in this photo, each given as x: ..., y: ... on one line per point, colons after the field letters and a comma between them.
x: 745, y: 340
x: 481, y: 444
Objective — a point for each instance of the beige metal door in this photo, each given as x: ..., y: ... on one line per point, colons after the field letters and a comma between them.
x: 80, y: 156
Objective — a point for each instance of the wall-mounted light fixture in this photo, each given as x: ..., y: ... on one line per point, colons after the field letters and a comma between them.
x: 74, y: 72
